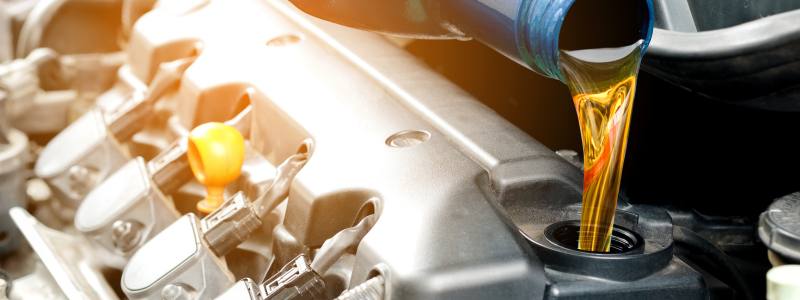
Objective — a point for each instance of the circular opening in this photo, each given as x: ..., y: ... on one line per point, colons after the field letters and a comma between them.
x: 407, y: 138
x: 603, y: 24
x: 284, y: 40
x: 567, y: 233
x: 306, y: 147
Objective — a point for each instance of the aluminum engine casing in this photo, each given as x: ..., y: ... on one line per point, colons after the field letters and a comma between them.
x: 453, y: 180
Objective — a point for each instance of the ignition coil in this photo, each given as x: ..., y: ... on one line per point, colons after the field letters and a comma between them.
x: 301, y: 279
x: 132, y: 205
x: 188, y: 256
x: 81, y: 156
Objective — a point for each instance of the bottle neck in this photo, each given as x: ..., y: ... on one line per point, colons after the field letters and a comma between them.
x: 538, y: 25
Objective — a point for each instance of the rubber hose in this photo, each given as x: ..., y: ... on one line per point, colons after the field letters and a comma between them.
x: 334, y: 247
x: 372, y: 289
x: 168, y: 75
x: 279, y: 189
x: 695, y: 243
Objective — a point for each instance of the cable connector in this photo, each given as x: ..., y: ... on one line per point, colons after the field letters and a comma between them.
x: 230, y: 224
x: 244, y: 289
x: 170, y: 169
x: 296, y: 281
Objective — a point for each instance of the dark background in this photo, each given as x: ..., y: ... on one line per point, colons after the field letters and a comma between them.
x: 682, y: 149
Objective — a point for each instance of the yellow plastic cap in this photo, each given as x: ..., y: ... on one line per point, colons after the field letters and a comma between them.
x: 216, y: 155
x: 783, y: 283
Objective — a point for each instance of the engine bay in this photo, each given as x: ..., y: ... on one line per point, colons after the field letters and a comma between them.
x: 244, y: 149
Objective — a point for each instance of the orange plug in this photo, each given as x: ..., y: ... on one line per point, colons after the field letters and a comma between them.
x: 216, y: 155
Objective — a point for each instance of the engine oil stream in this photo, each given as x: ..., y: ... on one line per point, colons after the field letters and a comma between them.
x: 602, y: 83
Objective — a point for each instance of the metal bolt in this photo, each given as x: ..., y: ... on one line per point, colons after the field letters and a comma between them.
x: 38, y: 191
x: 572, y: 157
x: 125, y: 235
x: 174, y: 292
x: 78, y: 173
x: 82, y: 178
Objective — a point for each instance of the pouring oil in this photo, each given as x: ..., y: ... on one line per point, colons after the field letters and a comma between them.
x: 602, y: 83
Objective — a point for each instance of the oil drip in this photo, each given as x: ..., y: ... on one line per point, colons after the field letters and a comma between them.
x: 602, y: 83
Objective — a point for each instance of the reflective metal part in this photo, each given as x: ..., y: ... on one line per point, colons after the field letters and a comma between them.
x: 79, y: 158
x: 244, y: 289
x: 230, y: 225
x: 407, y: 138
x: 90, y: 74
x: 4, y: 122
x: 39, y: 285
x: 177, y: 256
x: 69, y: 258
x: 125, y: 85
x: 14, y: 158
x: 174, y: 292
x: 371, y: 289
x: 123, y: 213
x: 49, y: 112
x: 453, y: 181
x: 34, y: 26
x: 6, y: 35
x: 3, y: 286
x: 126, y: 235
x: 572, y: 157
x: 20, y: 78
x: 93, y: 142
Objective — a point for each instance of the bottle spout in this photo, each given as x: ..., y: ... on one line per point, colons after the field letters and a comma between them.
x: 530, y: 32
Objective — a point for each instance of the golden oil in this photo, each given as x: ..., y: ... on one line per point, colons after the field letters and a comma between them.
x: 602, y: 83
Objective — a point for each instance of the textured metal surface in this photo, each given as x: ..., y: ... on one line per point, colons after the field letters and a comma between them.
x: 178, y: 256
x: 128, y: 195
x: 68, y: 258
x: 14, y: 157
x: 449, y: 206
x: 454, y: 185
x: 84, y: 145
x: 38, y: 284
x: 779, y: 227
x: 318, y: 88
x: 244, y: 289
x: 371, y: 289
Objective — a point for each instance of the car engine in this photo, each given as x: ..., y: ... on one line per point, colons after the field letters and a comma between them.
x: 308, y: 149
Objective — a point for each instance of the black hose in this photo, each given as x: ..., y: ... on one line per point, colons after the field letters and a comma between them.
x: 279, y: 189
x: 372, y: 289
x: 131, y: 117
x: 168, y: 75
x: 334, y: 247
x: 697, y: 244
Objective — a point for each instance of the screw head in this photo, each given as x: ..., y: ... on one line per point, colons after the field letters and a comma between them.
x: 174, y: 292
x: 126, y: 235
